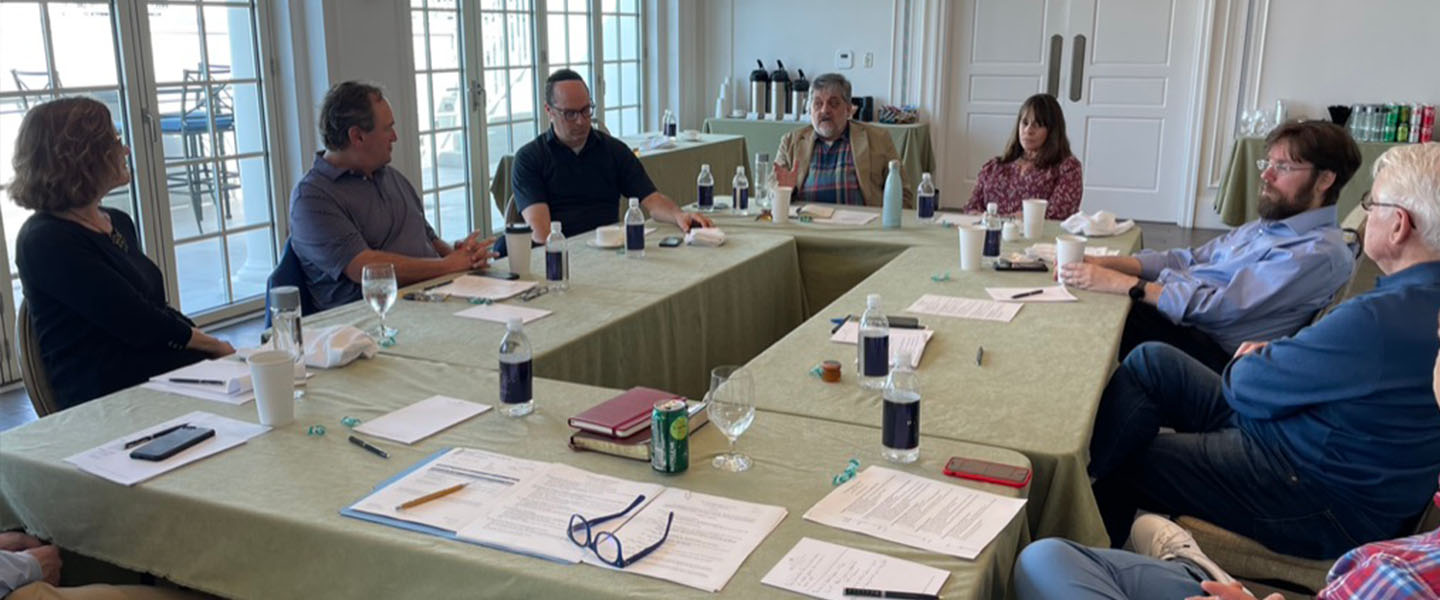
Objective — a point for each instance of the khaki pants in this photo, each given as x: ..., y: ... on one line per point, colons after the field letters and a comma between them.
x: 44, y: 591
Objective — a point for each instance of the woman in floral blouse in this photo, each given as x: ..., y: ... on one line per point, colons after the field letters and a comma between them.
x: 1037, y: 163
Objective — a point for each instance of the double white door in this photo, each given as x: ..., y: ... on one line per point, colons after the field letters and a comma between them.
x: 1123, y: 70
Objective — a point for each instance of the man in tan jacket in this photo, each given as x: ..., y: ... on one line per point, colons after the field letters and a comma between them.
x: 836, y: 160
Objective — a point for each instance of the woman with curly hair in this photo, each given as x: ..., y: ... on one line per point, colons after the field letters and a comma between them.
x: 97, y: 304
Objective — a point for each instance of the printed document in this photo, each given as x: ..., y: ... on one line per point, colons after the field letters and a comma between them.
x: 112, y: 461
x: 910, y: 341
x: 474, y: 286
x: 1052, y: 293
x: 823, y: 570
x: 488, y: 478
x: 964, y: 308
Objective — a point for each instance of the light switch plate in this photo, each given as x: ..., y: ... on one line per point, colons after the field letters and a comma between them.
x: 844, y: 59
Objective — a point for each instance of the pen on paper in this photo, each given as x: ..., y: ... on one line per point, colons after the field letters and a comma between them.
x: 436, y: 495
x: 1027, y: 294
x: 869, y: 593
x: 371, y: 448
x: 145, y: 438
x: 194, y: 381
x: 979, y: 355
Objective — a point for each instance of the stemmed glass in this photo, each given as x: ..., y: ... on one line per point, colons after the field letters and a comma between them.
x: 377, y: 282
x: 731, y: 407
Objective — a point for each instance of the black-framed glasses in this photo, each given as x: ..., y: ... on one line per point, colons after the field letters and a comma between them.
x: 587, y: 111
x: 1366, y: 204
x: 1280, y: 166
x: 604, y: 544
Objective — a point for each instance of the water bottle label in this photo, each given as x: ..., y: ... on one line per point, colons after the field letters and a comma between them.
x: 515, y: 382
x: 742, y: 198
x: 554, y: 266
x: 635, y: 237
x: 901, y: 427
x: 927, y: 207
x: 670, y: 129
x: 877, y: 355
x: 705, y: 196
x: 992, y: 242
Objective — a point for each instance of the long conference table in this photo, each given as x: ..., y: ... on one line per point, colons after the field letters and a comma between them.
x: 664, y: 321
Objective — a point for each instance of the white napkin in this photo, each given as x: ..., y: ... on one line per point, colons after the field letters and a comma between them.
x: 656, y: 142
x: 709, y: 237
x: 1100, y: 224
x: 337, y: 346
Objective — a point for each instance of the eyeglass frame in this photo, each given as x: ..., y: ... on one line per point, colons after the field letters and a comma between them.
x: 592, y: 540
x: 1366, y: 204
x: 1280, y: 166
x: 573, y: 116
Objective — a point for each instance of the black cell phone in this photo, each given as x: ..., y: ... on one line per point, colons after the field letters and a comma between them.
x: 172, y: 443
x: 1005, y: 264
x: 989, y: 472
x: 494, y: 273
x: 671, y: 241
x: 902, y: 322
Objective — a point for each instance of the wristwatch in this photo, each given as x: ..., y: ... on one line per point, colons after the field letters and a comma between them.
x: 1137, y: 291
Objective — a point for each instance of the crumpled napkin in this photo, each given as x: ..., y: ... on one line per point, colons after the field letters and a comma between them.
x: 709, y: 237
x: 657, y: 142
x: 1098, y: 225
x: 337, y: 346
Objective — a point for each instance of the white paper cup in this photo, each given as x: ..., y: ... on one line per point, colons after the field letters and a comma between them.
x: 780, y: 208
x: 972, y: 245
x: 273, y: 374
x: 1068, y: 249
x: 1010, y: 232
x: 517, y: 244
x: 608, y: 236
x: 1034, y: 211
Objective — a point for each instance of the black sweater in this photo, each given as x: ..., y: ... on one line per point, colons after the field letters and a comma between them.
x: 98, y: 311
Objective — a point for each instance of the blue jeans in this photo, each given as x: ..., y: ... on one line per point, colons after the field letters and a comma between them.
x: 1055, y: 568
x: 1208, y: 468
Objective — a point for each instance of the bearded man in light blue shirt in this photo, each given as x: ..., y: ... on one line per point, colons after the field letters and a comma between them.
x: 1262, y: 281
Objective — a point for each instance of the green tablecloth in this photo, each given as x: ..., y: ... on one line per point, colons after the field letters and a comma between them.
x: 912, y: 141
x: 674, y: 170
x: 1037, y: 390
x: 1239, y: 197
x: 262, y: 520
x: 661, y: 321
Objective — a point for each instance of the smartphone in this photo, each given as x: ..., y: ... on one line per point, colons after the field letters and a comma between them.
x: 1003, y: 264
x: 902, y: 322
x: 496, y: 274
x: 989, y: 472
x: 172, y: 443
x: 671, y: 241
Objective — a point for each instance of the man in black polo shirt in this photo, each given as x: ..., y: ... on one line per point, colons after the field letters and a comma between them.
x: 576, y: 174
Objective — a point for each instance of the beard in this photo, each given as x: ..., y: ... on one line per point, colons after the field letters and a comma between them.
x: 1275, y: 207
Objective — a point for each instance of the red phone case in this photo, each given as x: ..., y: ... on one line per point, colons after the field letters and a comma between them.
x: 985, y: 478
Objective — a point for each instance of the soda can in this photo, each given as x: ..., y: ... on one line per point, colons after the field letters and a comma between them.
x: 670, y: 436
x: 1427, y: 128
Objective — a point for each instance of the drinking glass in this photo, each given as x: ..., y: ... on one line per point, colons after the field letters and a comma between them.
x: 731, y: 407
x: 377, y: 282
x: 286, y: 334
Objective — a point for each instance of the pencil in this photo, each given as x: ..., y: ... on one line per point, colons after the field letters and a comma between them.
x: 432, y: 496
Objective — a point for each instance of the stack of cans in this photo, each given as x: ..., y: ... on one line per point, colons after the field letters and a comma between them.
x: 1395, y: 123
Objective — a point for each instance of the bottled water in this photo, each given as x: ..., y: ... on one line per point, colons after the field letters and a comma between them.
x: 925, y: 199
x: 872, y: 360
x: 993, y: 226
x: 705, y: 189
x: 515, y: 371
x: 557, y: 260
x: 668, y: 125
x: 900, y: 430
x: 634, y: 230
x: 741, y: 185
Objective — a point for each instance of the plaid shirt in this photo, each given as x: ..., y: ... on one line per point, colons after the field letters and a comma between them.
x: 832, y: 176
x: 1389, y: 570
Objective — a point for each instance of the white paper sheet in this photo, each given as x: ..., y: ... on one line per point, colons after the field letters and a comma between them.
x: 474, y: 286
x: 1047, y: 251
x: 709, y: 539
x: 1053, y: 293
x: 195, y: 391
x: 965, y: 308
x: 501, y: 313
x: 234, y: 374
x: 421, y: 419
x: 957, y: 218
x: 489, y: 478
x: 823, y: 570
x: 112, y: 461
x: 912, y: 341
x: 916, y: 511
x: 847, y: 217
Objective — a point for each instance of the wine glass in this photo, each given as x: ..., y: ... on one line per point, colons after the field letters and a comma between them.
x: 731, y: 407
x: 377, y: 282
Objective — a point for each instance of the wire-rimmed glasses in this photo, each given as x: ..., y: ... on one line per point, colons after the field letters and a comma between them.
x: 604, y: 544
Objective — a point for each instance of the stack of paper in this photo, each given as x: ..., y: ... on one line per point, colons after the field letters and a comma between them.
x: 220, y: 379
x: 422, y: 419
x: 964, y: 308
x: 112, y: 461
x: 823, y: 570
x: 474, y: 286
x: 910, y: 341
x: 501, y: 313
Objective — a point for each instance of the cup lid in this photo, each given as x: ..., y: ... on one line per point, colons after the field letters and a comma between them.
x: 517, y: 228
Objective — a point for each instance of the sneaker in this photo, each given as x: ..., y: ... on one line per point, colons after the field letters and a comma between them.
x: 1158, y: 537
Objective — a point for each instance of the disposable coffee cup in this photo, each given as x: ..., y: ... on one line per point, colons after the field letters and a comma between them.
x: 1068, y: 249
x: 517, y: 245
x: 609, y: 236
x: 972, y: 245
x: 780, y: 208
x: 1034, y: 212
x: 272, y: 373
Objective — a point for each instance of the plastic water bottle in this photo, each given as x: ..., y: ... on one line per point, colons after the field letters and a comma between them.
x: 705, y: 190
x: 993, y: 227
x: 872, y: 359
x: 925, y: 200
x: 668, y: 125
x: 557, y: 260
x: 515, y: 372
x: 634, y: 230
x: 894, y: 198
x: 900, y: 427
x: 741, y: 186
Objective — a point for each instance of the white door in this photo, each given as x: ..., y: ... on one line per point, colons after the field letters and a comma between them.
x: 1122, y: 69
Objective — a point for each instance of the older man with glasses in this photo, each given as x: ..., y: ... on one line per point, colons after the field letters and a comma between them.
x: 576, y: 174
x: 1265, y: 279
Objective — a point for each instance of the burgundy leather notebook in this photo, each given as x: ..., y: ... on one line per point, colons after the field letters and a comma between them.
x: 622, y: 415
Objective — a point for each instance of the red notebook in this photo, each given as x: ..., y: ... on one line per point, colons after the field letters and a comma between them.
x: 622, y: 415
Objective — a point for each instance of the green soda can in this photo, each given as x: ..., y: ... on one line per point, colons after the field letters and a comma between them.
x: 670, y: 436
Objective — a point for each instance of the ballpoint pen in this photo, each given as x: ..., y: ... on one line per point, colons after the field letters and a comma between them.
x: 1027, y: 294
x: 869, y: 593
x: 979, y: 355
x: 194, y: 381
x: 145, y: 438
x: 371, y: 448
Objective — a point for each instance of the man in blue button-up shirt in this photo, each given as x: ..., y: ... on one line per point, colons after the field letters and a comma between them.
x: 1310, y: 444
x: 1262, y: 281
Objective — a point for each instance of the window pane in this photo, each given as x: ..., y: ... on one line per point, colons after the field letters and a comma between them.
x: 630, y: 119
x: 579, y: 39
x: 497, y: 95
x: 611, y: 37
x: 629, y: 38
x: 185, y: 122
x: 238, y: 117
x: 432, y: 210
x: 422, y: 102
x: 22, y: 48
x: 519, y: 35
x: 443, y: 4
x: 493, y: 38
x: 630, y: 83
x: 229, y: 41
x: 191, y: 202
x: 245, y: 192
x: 557, y: 35
x: 450, y: 157
x: 446, y: 92
x: 427, y: 162
x: 522, y: 93
x: 612, y: 85
x: 14, y: 218
x: 454, y: 214
x: 417, y: 36
x: 199, y: 275
x: 497, y: 138
x: 522, y: 133
x: 519, y: 5
x: 609, y: 6
x: 612, y: 121
x: 83, y: 43
x: 251, y: 256
x: 175, y: 41
x: 629, y: 6
x: 444, y: 40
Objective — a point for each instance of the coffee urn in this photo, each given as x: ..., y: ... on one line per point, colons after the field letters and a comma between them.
x: 779, y: 91
x: 799, y: 96
x: 760, y: 90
